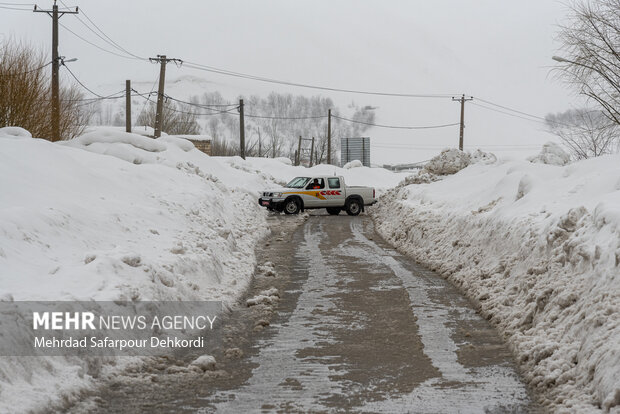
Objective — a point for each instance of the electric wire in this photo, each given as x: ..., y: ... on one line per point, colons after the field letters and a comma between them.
x: 15, y: 8
x: 105, y: 37
x: 93, y: 44
x: 212, y: 69
x: 108, y: 37
x: 510, y: 109
x: 82, y: 85
x: 284, y: 117
x: 28, y: 71
x: 395, y: 126
x: 506, y: 113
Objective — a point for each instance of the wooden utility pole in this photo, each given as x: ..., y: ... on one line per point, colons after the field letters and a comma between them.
x: 241, y: 129
x: 299, y: 151
x: 311, y: 151
x: 329, y: 136
x: 55, y: 15
x: 259, y: 143
x: 127, y: 105
x: 159, y: 116
x: 462, y: 100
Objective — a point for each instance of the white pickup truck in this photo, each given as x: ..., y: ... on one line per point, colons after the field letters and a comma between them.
x: 327, y: 192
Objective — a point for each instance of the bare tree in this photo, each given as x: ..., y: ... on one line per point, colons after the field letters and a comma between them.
x: 586, y: 133
x: 177, y: 119
x: 25, y: 97
x: 591, y: 53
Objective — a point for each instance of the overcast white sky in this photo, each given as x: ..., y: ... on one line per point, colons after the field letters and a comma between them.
x: 496, y: 50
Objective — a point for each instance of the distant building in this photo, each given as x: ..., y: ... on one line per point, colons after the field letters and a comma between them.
x: 201, y: 142
x: 355, y: 149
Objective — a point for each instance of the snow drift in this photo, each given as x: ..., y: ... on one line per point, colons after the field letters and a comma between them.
x: 537, y: 246
x: 115, y: 216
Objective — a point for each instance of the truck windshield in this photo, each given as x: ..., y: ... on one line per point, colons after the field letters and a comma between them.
x: 298, y: 182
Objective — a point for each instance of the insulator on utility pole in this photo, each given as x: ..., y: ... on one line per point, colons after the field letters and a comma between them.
x: 55, y: 15
x: 462, y: 100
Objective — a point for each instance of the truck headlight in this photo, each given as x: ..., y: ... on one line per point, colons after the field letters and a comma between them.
x: 277, y: 195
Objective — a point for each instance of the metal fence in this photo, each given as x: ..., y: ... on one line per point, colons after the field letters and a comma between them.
x: 355, y: 149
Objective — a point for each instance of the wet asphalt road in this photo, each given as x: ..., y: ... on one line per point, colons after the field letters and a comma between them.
x: 358, y: 328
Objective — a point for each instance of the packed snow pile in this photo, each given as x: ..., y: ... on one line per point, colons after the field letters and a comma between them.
x: 353, y: 164
x: 552, y: 154
x: 116, y: 216
x: 452, y: 160
x: 379, y: 178
x: 537, y: 246
x: 14, y: 132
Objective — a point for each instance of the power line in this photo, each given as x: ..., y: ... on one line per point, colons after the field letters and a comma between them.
x: 507, y: 113
x: 285, y: 117
x: 510, y: 109
x: 15, y: 8
x: 204, y: 106
x: 212, y: 69
x: 394, y: 126
x: 105, y: 37
x: 28, y: 71
x: 108, y: 37
x: 82, y: 85
x: 93, y: 44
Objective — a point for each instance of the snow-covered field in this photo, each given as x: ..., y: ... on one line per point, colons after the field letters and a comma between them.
x: 537, y: 246
x: 117, y: 216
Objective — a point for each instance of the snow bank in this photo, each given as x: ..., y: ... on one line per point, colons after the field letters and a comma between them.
x: 551, y: 154
x: 379, y: 178
x: 14, y: 132
x: 537, y: 246
x: 353, y: 164
x: 116, y: 216
x: 452, y: 160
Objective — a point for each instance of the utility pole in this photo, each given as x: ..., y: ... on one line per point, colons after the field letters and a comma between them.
x: 462, y: 100
x: 299, y: 151
x: 241, y: 129
x: 127, y: 105
x: 311, y: 151
x: 259, y: 143
x: 55, y: 15
x: 159, y: 116
x: 329, y: 136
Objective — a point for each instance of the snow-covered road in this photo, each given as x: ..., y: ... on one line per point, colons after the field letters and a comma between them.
x: 358, y: 327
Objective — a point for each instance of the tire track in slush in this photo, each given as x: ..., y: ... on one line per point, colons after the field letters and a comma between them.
x: 304, y: 366
x: 293, y: 383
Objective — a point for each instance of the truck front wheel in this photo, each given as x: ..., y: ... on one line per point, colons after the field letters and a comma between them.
x: 353, y: 207
x: 291, y: 206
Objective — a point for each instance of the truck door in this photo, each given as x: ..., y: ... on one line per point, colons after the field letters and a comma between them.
x: 334, y: 193
x: 312, y: 195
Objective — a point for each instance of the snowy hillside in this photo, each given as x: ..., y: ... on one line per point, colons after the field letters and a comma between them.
x: 537, y: 246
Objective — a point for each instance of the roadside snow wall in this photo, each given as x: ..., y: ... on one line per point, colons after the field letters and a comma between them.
x: 537, y: 247
x: 115, y: 216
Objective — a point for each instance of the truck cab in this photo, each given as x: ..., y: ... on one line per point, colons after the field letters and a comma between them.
x: 312, y: 192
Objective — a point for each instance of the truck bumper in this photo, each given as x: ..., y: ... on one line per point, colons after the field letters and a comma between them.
x: 270, y: 203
